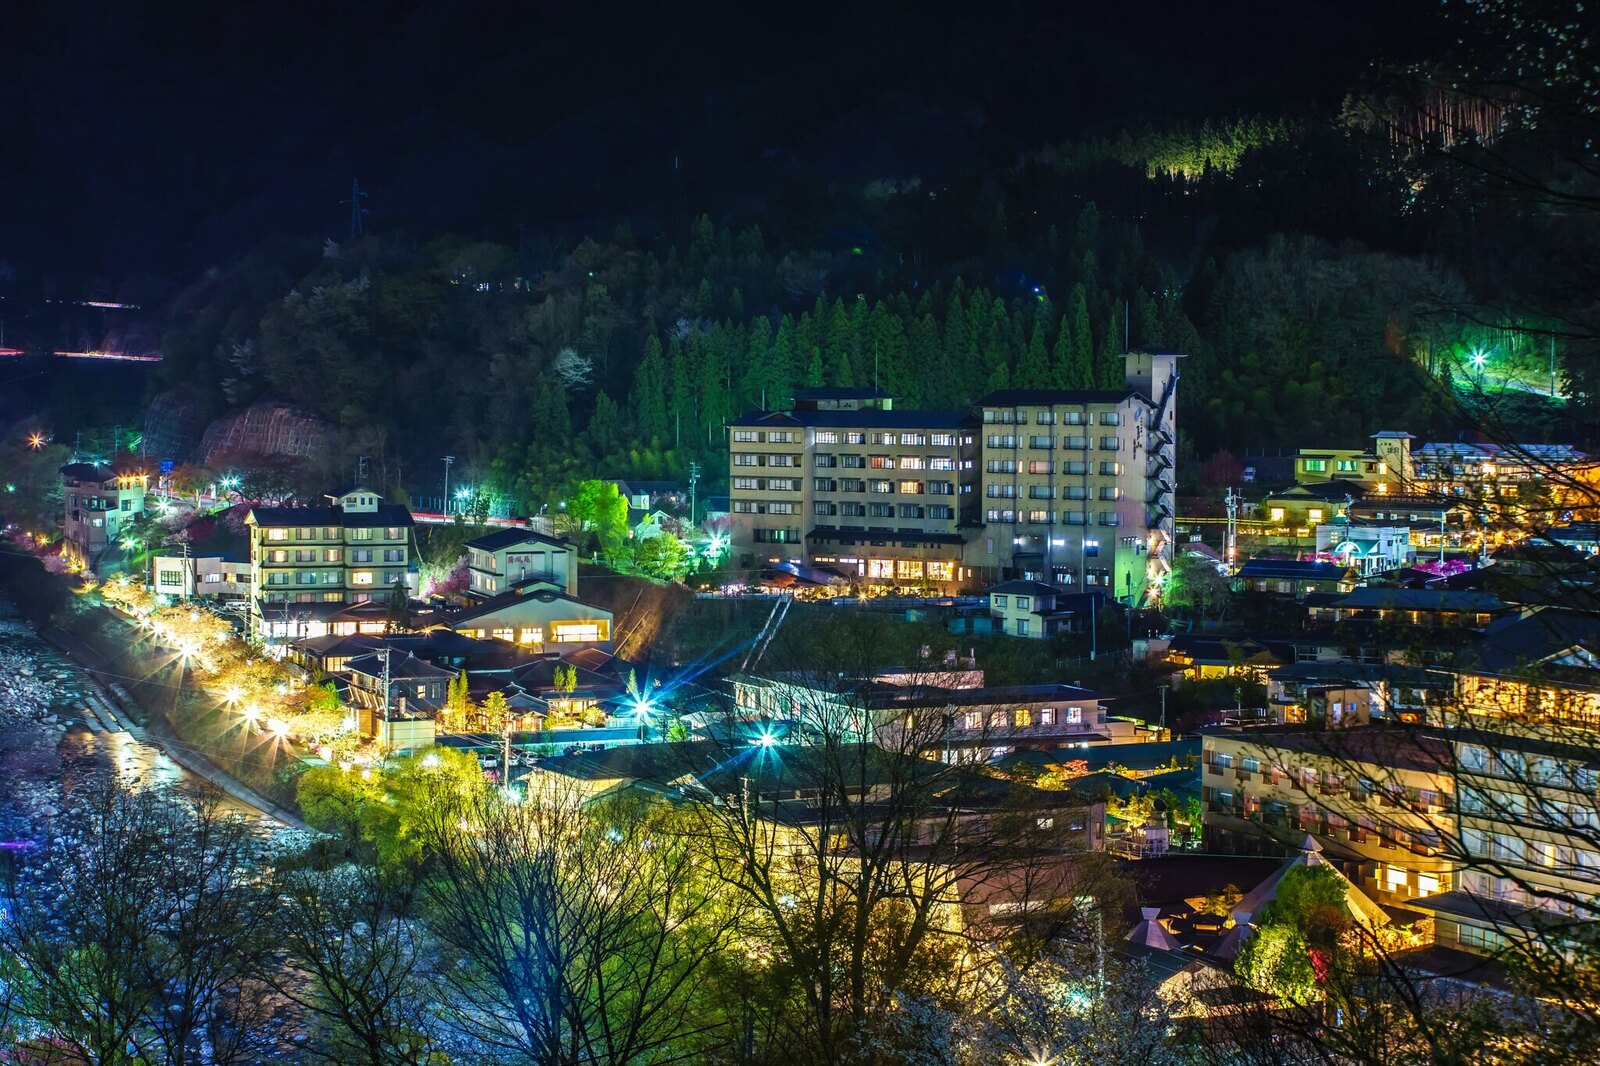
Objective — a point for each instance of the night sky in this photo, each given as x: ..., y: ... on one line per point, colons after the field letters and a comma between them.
x: 145, y: 142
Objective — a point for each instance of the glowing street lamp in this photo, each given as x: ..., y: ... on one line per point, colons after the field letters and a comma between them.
x: 36, y: 441
x: 1479, y: 357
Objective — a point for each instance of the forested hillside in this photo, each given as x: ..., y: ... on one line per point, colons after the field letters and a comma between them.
x: 1318, y: 282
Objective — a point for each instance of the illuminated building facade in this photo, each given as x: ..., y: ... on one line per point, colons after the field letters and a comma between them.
x: 1078, y: 484
x: 351, y: 551
x: 1069, y: 487
x: 101, y: 499
x: 844, y: 480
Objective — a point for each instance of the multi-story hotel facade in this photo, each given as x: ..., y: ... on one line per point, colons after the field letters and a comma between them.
x: 352, y: 551
x: 1072, y: 487
x: 844, y: 480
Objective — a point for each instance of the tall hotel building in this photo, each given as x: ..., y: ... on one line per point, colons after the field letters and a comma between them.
x: 1073, y: 487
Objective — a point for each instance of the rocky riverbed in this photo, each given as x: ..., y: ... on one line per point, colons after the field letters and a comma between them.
x: 54, y: 749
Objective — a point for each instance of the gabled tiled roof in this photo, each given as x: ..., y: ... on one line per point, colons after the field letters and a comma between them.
x: 385, y: 516
x: 506, y: 538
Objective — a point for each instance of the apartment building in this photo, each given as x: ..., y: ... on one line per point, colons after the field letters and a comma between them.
x: 1468, y: 793
x: 206, y: 576
x: 1524, y: 729
x: 976, y: 722
x: 520, y: 560
x: 100, y: 499
x: 1376, y: 798
x: 1386, y: 462
x: 1078, y: 484
x: 843, y: 480
x: 350, y: 551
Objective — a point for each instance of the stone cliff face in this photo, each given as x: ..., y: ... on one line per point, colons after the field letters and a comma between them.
x: 172, y: 425
x: 267, y: 428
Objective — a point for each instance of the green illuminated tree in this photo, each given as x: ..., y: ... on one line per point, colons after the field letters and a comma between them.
x: 599, y: 510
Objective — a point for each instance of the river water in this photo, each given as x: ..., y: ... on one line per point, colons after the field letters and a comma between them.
x: 53, y: 749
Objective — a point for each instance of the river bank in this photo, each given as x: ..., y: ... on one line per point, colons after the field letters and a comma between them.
x: 69, y: 704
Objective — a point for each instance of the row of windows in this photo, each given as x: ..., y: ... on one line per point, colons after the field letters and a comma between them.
x: 331, y: 555
x: 1071, y: 444
x: 1538, y: 769
x: 1046, y: 466
x: 1341, y: 466
x: 1047, y: 518
x: 174, y: 578
x: 832, y: 436
x: 334, y: 577
x: 99, y: 503
x: 757, y: 459
x: 1048, y: 418
x: 885, y: 510
x: 767, y: 484
x: 777, y: 536
x: 329, y: 533
x: 1046, y: 492
x: 1022, y: 718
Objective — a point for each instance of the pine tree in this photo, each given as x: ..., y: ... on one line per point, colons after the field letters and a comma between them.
x: 1080, y: 365
x: 814, y: 368
x: 757, y: 376
x: 1033, y: 370
x: 604, y: 431
x: 959, y: 351
x: 1109, y: 372
x: 648, y: 401
x: 787, y: 367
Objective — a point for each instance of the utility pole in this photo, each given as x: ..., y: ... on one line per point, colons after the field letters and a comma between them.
x: 358, y: 213
x: 505, y: 758
x: 447, y: 461
x: 694, y: 480
x: 1552, y: 368
x: 1094, y: 627
x: 1163, y: 691
x: 1232, y: 543
x: 385, y: 704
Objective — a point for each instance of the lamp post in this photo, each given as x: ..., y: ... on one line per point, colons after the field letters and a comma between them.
x: 447, y: 461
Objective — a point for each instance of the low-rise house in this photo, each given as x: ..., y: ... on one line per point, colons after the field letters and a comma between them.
x: 544, y: 619
x: 1366, y: 547
x: 938, y: 720
x: 1348, y: 693
x: 414, y: 685
x: 400, y: 715
x: 1028, y: 609
x: 1433, y: 608
x: 520, y: 561
x: 215, y: 576
x: 653, y: 495
x: 1203, y: 656
x: 1303, y: 507
x: 1296, y: 577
